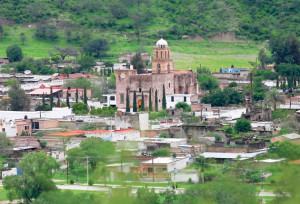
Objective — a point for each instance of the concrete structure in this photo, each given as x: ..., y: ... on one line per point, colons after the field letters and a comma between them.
x: 163, y: 74
x: 161, y: 166
x: 125, y: 134
x: 122, y: 66
x: 138, y: 121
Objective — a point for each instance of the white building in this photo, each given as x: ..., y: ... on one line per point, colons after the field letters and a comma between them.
x: 173, y: 99
x: 125, y: 134
x: 109, y: 100
x: 167, y: 164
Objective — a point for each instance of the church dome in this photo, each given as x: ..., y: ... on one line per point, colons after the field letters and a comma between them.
x: 161, y: 43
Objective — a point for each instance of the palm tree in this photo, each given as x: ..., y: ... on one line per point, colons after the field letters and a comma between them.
x: 274, y: 97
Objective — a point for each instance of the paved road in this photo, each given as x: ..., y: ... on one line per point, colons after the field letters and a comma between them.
x: 271, y: 194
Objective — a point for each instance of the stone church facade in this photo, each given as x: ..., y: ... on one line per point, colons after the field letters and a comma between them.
x: 163, y: 73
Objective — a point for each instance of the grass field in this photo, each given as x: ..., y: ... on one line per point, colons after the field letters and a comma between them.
x: 185, y: 53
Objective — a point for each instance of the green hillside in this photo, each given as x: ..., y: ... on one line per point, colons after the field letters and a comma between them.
x: 133, y: 24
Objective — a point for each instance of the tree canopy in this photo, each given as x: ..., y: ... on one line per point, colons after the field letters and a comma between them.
x: 18, y: 98
x: 207, y: 82
x: 14, y: 53
x: 242, y: 125
x: 224, y: 98
x: 37, y: 169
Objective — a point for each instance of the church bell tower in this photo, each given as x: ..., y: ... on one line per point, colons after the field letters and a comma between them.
x: 162, y: 63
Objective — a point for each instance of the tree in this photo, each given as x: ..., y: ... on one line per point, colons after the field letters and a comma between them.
x: 164, y: 100
x: 223, y: 98
x: 150, y: 100
x: 18, y: 98
x: 9, y: 82
x: 37, y: 170
x: 134, y: 102
x: 1, y: 31
x: 80, y: 108
x: 156, y: 101
x: 14, y: 53
x: 80, y: 83
x: 182, y: 21
x: 61, y: 2
x: 162, y: 153
x: 97, y: 47
x: 274, y: 97
x: 5, y: 145
x: 262, y: 57
x: 127, y: 102
x: 118, y: 11
x: 76, y: 95
x: 147, y: 196
x: 138, y: 63
x: 242, y: 125
x: 285, y: 49
x: 23, y: 38
x: 285, y: 149
x: 223, y: 189
x: 67, y: 99
x: 140, y: 23
x: 85, y: 98
x: 90, y: 148
x: 143, y: 103
x: 43, y: 102
x: 51, y: 98
x: 207, y: 82
x: 232, y: 84
x: 46, y: 32
x: 86, y: 63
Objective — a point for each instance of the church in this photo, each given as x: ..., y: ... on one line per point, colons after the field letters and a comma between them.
x: 163, y: 74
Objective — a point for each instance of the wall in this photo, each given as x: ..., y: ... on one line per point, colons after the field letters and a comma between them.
x: 184, y: 177
x: 144, y: 121
x: 132, y: 135
x: 181, y: 163
x: 177, y: 98
x: 126, y: 120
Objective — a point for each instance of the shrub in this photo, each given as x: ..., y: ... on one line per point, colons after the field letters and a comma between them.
x: 281, y: 113
x: 228, y: 129
x: 184, y: 106
x: 242, y: 125
x: 162, y: 152
x: 218, y: 138
x: 164, y: 135
x: 72, y: 182
x: 91, y: 182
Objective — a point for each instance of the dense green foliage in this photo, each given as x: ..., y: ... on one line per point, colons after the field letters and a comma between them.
x: 226, y: 97
x: 14, y: 53
x: 5, y: 145
x: 162, y: 153
x: 285, y: 149
x: 242, y: 125
x: 207, y: 82
x: 80, y: 108
x: 18, y: 98
x: 281, y: 113
x: 252, y: 19
x: 37, y: 170
x: 105, y: 111
x: 184, y: 106
x: 90, y: 148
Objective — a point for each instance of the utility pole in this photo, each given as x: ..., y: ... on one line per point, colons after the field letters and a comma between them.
x: 67, y: 172
x: 152, y: 169
x: 251, y: 91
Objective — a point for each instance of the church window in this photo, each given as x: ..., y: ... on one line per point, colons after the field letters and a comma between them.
x: 172, y: 98
x: 165, y: 54
x: 184, y: 99
x: 161, y: 54
x: 168, y: 66
x: 168, y: 54
x: 156, y: 54
x: 140, y: 90
x: 122, y: 98
x: 169, y: 85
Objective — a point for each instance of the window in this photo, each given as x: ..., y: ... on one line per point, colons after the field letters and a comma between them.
x: 172, y: 98
x: 112, y: 98
x: 3, y: 129
x: 150, y: 170
x: 156, y: 54
x: 168, y: 66
x: 26, y: 127
x: 161, y: 54
x: 169, y: 85
x: 168, y: 54
x: 122, y: 98
x: 165, y: 54
x: 161, y: 169
x: 184, y: 99
x: 35, y: 125
x: 140, y: 90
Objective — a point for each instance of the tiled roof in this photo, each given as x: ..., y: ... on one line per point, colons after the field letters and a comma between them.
x: 78, y: 75
x: 125, y: 130
x: 181, y: 71
x: 21, y: 123
x: 45, y: 91
x: 77, y: 132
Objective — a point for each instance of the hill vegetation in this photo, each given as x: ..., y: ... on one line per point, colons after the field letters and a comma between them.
x: 131, y: 25
x: 252, y: 19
